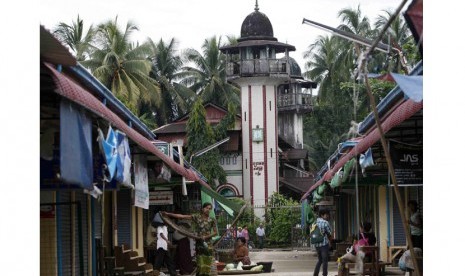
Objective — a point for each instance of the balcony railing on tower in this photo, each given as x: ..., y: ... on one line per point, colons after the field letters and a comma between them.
x: 300, y: 102
x: 257, y: 67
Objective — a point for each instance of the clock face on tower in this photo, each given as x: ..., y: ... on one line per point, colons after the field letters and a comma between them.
x: 257, y: 134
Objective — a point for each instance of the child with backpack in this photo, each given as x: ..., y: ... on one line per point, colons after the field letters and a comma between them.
x: 355, y: 253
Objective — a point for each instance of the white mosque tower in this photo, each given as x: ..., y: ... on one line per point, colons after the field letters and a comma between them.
x: 253, y: 64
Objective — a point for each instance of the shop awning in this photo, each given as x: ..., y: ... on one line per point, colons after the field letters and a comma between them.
x: 71, y: 90
x: 52, y: 52
x: 398, y: 115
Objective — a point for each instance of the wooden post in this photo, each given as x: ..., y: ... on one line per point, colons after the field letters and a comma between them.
x: 391, y: 171
x: 383, y: 138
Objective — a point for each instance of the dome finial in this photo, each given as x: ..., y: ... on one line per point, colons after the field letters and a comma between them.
x: 256, y: 6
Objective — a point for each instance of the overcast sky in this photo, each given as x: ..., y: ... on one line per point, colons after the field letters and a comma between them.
x: 191, y: 21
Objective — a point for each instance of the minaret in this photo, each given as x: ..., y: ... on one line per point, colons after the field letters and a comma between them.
x: 294, y: 100
x: 253, y: 65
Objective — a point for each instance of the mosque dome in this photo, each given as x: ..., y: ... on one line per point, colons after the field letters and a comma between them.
x: 294, y: 67
x: 256, y: 26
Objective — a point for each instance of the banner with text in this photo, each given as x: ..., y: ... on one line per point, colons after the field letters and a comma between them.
x: 161, y: 197
x: 408, y: 163
x: 141, y: 198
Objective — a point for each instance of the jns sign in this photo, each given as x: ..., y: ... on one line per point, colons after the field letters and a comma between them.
x: 408, y: 163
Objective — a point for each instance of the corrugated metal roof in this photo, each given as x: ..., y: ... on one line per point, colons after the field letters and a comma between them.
x: 74, y: 92
x: 171, y: 128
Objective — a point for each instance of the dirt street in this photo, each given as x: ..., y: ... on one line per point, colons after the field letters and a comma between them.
x: 291, y: 262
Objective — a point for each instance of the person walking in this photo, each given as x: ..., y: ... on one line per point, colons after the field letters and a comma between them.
x: 323, y: 248
x: 162, y: 255
x: 416, y: 224
x: 260, y: 235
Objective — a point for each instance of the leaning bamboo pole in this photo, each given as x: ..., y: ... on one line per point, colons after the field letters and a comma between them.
x: 383, y: 138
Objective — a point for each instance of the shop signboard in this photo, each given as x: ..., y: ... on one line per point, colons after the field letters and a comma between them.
x: 326, y: 201
x: 161, y: 197
x: 408, y: 163
x: 164, y: 147
x: 141, y: 194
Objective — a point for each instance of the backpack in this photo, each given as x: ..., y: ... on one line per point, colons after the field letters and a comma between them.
x: 315, y: 235
x: 361, y: 242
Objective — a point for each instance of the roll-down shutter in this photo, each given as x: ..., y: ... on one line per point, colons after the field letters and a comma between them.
x: 124, y: 217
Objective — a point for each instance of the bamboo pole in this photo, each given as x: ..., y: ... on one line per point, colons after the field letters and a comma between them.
x: 383, y: 139
x: 393, y: 177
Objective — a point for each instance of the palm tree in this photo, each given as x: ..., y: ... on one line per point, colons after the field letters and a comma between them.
x: 75, y: 38
x: 399, y: 37
x: 175, y: 97
x: 208, y: 77
x: 232, y: 40
x: 330, y: 62
x: 326, y: 65
x: 123, y: 67
x: 353, y: 22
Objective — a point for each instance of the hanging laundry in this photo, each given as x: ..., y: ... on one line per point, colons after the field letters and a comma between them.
x: 75, y: 145
x: 366, y: 160
x: 108, y: 149
x: 123, y: 163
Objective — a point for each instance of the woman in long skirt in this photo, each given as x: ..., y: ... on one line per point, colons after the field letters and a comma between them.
x: 205, y: 228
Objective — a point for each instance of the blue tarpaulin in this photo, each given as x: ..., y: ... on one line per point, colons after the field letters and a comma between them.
x: 123, y: 162
x: 412, y: 86
x: 109, y: 150
x: 76, y: 165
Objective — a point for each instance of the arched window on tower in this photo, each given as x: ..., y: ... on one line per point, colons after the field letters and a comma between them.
x: 228, y: 190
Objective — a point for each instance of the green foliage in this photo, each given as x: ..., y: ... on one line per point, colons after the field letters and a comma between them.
x: 248, y: 218
x: 330, y: 122
x: 74, y: 37
x: 341, y: 100
x: 226, y: 123
x: 175, y: 98
x: 149, y: 120
x: 280, y: 221
x: 122, y: 66
x: 325, y: 128
x: 208, y: 75
x: 200, y: 135
x: 379, y: 89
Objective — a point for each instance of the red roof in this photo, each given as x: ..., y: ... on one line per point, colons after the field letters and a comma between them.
x: 69, y: 89
x: 214, y: 114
